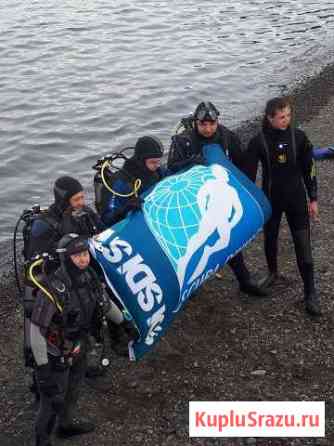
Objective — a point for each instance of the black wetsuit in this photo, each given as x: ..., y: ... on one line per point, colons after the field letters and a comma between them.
x: 59, y: 344
x: 288, y: 172
x: 112, y: 207
x: 186, y: 150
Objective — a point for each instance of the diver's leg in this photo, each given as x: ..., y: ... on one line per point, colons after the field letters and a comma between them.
x: 271, y: 232
x: 69, y: 424
x: 247, y: 285
x: 298, y: 220
x: 45, y: 417
x: 45, y: 421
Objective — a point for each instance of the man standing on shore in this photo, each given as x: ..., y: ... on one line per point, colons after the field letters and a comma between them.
x: 187, y: 150
x: 288, y: 169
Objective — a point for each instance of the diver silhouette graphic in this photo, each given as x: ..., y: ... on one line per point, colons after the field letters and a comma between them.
x: 221, y: 211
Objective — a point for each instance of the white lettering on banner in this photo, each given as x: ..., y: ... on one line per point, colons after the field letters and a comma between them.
x: 154, y: 325
x: 141, y: 281
x: 145, y: 287
x: 154, y: 291
x: 103, y: 236
x: 96, y: 242
x: 117, y: 247
x: 198, y: 282
x: 242, y: 246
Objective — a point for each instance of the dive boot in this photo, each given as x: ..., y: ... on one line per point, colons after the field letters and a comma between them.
x: 311, y: 298
x: 75, y: 428
x: 269, y: 280
x: 312, y: 304
x: 95, y: 371
x: 252, y: 288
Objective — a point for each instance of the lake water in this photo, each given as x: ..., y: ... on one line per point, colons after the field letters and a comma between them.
x: 79, y: 79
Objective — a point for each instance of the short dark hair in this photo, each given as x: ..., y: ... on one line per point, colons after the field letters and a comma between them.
x: 274, y: 105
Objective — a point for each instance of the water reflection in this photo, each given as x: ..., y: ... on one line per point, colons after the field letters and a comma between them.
x: 79, y: 79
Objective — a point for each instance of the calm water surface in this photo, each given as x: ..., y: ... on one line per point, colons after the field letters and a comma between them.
x: 79, y: 79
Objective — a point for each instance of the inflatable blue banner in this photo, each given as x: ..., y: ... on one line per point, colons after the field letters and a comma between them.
x: 192, y: 223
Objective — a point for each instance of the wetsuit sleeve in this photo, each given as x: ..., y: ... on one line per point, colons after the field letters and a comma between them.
x: 251, y: 159
x: 98, y: 222
x: 180, y: 153
x: 85, y: 222
x: 237, y: 152
x: 164, y: 172
x: 38, y: 345
x: 115, y: 209
x: 309, y: 170
x: 95, y: 221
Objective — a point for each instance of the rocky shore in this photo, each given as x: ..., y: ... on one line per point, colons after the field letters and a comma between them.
x: 224, y: 345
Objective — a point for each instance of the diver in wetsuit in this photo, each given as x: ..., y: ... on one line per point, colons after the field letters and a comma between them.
x: 288, y: 170
x: 187, y: 149
x: 144, y: 166
x: 68, y: 213
x: 67, y: 307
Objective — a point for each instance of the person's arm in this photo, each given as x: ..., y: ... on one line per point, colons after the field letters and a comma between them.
x: 95, y: 224
x: 115, y: 205
x: 180, y: 154
x: 133, y: 203
x: 309, y: 176
x: 164, y: 172
x: 100, y: 226
x: 251, y: 159
x: 237, y: 151
x: 309, y: 170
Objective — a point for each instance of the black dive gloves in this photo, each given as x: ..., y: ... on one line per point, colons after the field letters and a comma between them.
x: 133, y: 204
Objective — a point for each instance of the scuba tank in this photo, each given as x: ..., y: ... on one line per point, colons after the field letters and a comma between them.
x: 27, y: 218
x: 186, y: 124
x: 99, y: 180
x: 30, y: 273
x: 107, y: 172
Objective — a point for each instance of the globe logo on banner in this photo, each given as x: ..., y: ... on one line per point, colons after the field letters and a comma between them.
x: 172, y: 211
x: 184, y: 211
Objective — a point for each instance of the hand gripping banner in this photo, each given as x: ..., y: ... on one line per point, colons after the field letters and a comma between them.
x: 192, y: 223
